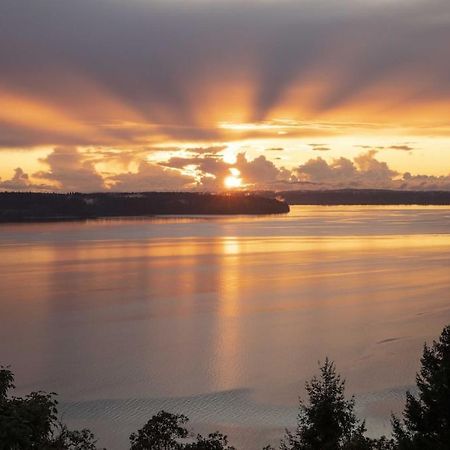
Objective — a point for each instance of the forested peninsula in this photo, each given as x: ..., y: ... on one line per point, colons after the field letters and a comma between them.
x: 33, y: 206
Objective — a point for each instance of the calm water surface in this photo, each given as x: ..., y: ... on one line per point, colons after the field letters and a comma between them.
x: 222, y: 318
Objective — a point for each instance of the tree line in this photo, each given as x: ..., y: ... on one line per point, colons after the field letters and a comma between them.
x: 35, y: 206
x: 326, y: 419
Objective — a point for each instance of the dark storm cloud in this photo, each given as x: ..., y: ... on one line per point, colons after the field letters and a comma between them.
x: 153, y: 59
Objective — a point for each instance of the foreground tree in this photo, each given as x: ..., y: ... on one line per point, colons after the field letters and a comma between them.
x: 426, y: 418
x: 328, y: 421
x: 214, y: 441
x: 31, y: 423
x: 162, y: 432
x: 65, y: 439
x: 166, y: 431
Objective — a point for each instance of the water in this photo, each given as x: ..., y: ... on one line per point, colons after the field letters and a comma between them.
x: 222, y: 318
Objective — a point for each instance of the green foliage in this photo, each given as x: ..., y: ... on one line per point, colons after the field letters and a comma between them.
x: 426, y: 418
x: 214, y: 441
x: 162, y: 432
x: 30, y: 422
x: 328, y: 421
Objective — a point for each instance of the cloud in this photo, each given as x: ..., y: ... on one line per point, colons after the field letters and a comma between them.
x: 363, y: 172
x: 19, y: 181
x: 212, y: 150
x: 258, y: 173
x: 70, y: 171
x: 319, y: 147
x: 404, y: 147
x: 151, y: 177
x: 317, y: 170
x: 370, y: 147
x: 210, y: 165
x: 424, y: 182
x: 373, y: 171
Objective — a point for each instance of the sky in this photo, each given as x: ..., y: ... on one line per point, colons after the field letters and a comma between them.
x: 139, y: 95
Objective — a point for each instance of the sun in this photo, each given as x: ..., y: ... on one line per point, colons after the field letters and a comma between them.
x: 234, y: 180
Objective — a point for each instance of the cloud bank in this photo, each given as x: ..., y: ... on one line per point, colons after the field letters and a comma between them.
x: 69, y: 170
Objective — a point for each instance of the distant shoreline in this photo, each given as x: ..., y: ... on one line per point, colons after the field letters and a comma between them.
x: 30, y: 207
x: 51, y: 207
x: 362, y: 197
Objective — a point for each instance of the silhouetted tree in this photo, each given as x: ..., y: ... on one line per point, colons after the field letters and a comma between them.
x: 166, y: 431
x: 214, y: 441
x: 6, y: 382
x: 162, y: 432
x: 382, y: 443
x: 66, y: 439
x: 30, y: 423
x: 328, y: 421
x: 426, y: 418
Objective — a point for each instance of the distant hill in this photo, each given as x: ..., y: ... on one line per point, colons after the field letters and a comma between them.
x: 30, y: 206
x: 365, y: 197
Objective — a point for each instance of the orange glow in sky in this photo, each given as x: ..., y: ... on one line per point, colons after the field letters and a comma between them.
x: 326, y: 102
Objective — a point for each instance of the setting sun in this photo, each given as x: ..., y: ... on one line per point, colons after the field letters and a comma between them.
x: 233, y: 181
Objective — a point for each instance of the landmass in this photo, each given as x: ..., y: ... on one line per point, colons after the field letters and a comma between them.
x: 365, y: 197
x: 36, y: 206
x: 33, y: 206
